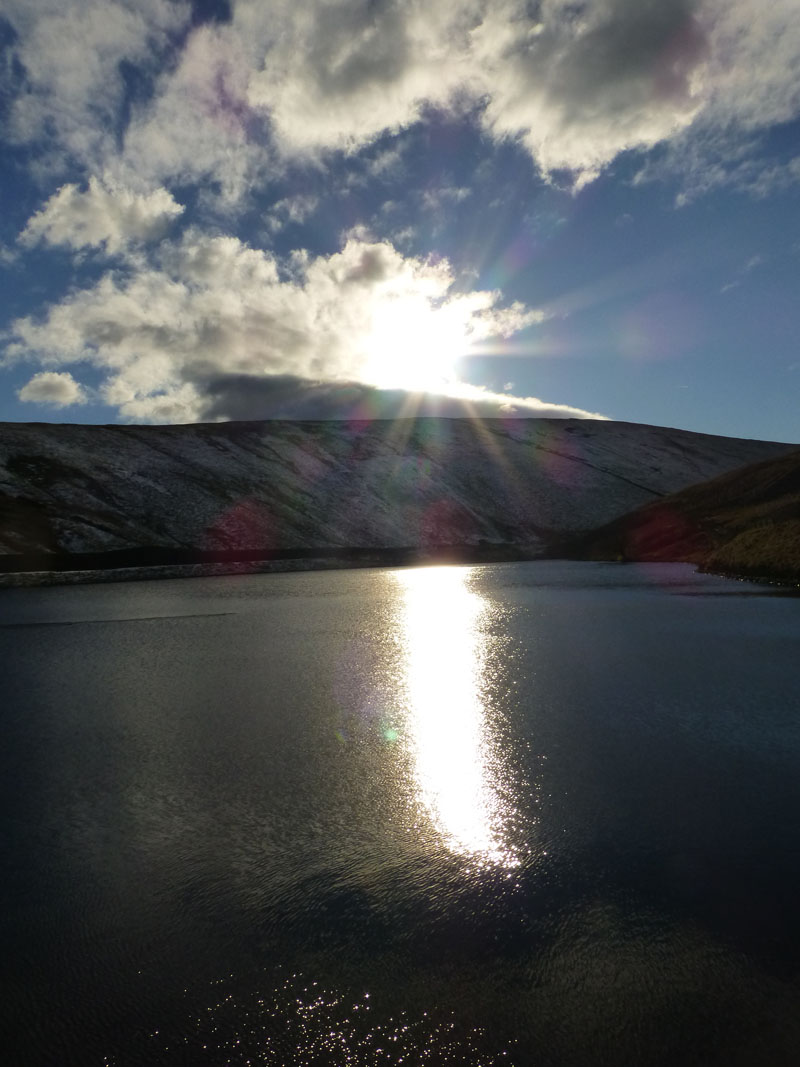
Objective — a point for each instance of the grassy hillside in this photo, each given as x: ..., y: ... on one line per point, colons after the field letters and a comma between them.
x: 222, y: 491
x: 745, y: 522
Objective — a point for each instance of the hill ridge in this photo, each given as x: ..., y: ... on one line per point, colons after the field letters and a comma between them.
x: 281, y: 485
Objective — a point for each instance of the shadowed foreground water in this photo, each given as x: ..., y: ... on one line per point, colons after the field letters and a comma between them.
x: 541, y: 813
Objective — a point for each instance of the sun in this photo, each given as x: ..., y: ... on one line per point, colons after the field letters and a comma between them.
x: 415, y: 345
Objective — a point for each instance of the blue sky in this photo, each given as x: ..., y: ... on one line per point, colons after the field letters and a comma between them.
x: 242, y: 210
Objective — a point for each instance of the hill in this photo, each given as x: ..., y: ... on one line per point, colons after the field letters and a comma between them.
x: 246, y: 490
x: 745, y: 523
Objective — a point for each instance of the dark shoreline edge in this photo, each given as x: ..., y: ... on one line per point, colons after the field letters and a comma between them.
x: 583, y: 551
x: 591, y: 549
x: 153, y: 563
x: 784, y: 581
x: 21, y: 572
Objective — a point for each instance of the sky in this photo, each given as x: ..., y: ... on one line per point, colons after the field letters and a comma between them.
x: 244, y: 209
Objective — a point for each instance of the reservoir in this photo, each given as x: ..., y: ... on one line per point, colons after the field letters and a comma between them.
x: 537, y: 813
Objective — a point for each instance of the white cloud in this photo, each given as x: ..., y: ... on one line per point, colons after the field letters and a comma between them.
x: 752, y: 264
x: 752, y: 71
x: 53, y: 389
x: 294, y: 209
x: 710, y: 160
x: 213, y: 306
x: 104, y: 214
x: 435, y: 199
x: 577, y: 83
x: 387, y: 163
x: 71, y: 51
x: 337, y: 75
x: 748, y: 81
x: 199, y: 125
x: 580, y: 83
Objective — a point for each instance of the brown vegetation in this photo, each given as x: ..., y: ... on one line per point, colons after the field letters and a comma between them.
x: 746, y: 522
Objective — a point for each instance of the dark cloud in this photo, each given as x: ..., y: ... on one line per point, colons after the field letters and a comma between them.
x: 632, y: 42
x: 359, y: 45
x: 246, y: 397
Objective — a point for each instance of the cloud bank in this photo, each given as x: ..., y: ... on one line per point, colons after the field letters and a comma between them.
x: 245, y: 397
x: 576, y: 83
x: 212, y: 309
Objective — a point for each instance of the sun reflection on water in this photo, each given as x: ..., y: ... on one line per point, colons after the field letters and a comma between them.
x: 457, y: 769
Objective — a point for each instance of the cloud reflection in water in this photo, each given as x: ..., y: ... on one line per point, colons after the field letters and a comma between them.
x: 446, y: 664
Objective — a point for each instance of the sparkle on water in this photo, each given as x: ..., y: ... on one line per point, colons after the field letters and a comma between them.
x: 457, y: 766
x: 300, y: 1022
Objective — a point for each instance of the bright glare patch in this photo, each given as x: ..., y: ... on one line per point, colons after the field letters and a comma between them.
x: 457, y: 778
x: 415, y: 345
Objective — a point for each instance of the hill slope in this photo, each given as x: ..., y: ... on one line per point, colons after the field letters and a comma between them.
x: 745, y: 522
x: 281, y: 485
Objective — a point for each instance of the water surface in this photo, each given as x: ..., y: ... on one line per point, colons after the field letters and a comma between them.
x: 527, y: 813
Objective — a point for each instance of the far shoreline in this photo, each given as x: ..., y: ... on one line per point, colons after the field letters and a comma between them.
x: 17, y: 573
x: 147, y: 564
